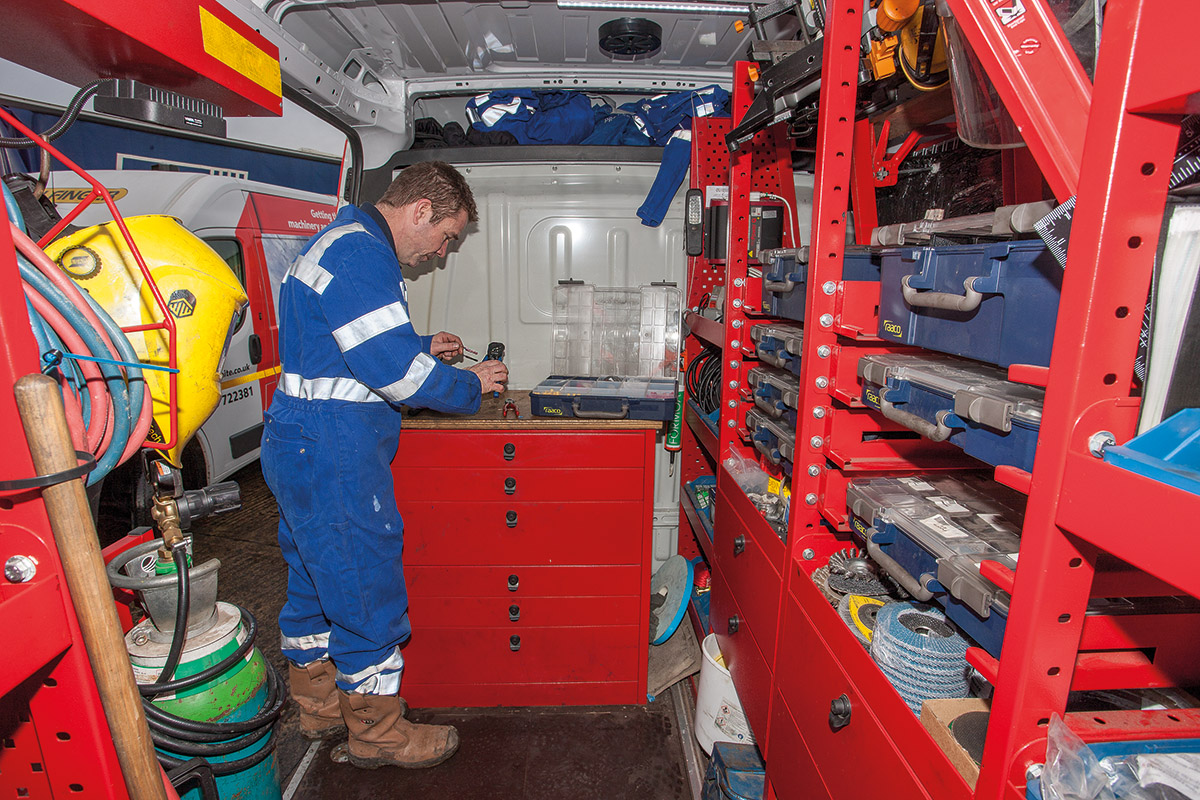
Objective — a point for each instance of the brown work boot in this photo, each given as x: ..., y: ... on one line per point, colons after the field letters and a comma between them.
x: 381, y: 736
x: 315, y: 691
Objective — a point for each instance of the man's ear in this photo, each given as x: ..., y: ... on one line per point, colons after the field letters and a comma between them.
x: 422, y: 212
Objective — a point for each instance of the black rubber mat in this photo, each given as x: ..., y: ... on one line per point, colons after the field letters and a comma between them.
x: 605, y: 753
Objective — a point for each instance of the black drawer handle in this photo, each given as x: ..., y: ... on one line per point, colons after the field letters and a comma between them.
x: 510, y: 485
x: 839, y: 713
x: 514, y: 643
x: 510, y: 518
x: 734, y: 624
x: 739, y: 544
x: 514, y: 613
x: 510, y: 451
x: 513, y: 583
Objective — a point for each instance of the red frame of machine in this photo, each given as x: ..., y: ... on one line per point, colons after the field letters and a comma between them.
x: 1119, y: 169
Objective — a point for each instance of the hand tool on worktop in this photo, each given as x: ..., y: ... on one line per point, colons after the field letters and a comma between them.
x: 495, y: 352
x: 509, y: 405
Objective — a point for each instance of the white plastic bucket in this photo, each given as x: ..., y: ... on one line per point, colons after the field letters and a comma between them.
x: 719, y: 716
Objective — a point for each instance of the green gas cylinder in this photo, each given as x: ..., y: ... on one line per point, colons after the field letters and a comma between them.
x: 234, y: 695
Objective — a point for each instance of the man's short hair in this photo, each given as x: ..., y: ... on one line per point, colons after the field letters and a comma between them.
x: 435, y: 181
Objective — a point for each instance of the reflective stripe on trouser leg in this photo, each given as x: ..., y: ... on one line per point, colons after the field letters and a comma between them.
x: 383, y: 678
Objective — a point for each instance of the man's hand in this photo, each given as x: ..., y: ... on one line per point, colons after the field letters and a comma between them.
x: 445, y: 346
x: 493, y: 375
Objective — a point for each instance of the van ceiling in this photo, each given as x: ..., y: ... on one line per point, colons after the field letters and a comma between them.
x: 439, y: 38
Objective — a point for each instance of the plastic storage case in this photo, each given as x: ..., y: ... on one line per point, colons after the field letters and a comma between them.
x: 931, y: 532
x: 778, y: 344
x: 969, y: 404
x: 604, y: 398
x: 785, y: 277
x: 735, y: 772
x: 772, y: 437
x: 991, y: 302
x: 624, y: 332
x: 776, y: 392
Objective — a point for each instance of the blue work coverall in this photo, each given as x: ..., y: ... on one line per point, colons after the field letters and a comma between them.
x: 349, y: 357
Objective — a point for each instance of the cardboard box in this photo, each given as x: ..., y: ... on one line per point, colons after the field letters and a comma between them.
x: 936, y: 716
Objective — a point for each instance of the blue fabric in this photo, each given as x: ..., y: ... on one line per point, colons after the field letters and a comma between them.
x: 327, y: 461
x: 534, y: 117
x: 617, y: 129
x: 665, y: 114
x: 677, y: 156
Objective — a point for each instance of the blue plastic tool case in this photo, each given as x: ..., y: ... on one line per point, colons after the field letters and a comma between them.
x: 785, y: 277
x: 778, y: 344
x: 1119, y: 749
x: 772, y: 437
x: 776, y: 392
x: 736, y: 772
x: 1007, y: 292
x: 969, y: 404
x: 604, y: 398
x: 931, y: 532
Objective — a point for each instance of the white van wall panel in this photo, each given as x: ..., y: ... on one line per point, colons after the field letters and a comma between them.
x: 576, y: 38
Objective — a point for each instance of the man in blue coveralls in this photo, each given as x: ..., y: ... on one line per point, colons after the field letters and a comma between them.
x: 350, y: 357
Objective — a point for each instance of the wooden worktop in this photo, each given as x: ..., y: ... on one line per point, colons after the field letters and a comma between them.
x: 489, y: 416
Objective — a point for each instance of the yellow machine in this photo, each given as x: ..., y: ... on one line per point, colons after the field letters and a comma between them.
x: 908, y: 38
x: 203, y: 296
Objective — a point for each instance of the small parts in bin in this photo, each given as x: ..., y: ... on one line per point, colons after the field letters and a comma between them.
x: 510, y: 405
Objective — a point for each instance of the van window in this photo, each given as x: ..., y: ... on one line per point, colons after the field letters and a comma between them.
x: 231, y: 251
x: 280, y: 251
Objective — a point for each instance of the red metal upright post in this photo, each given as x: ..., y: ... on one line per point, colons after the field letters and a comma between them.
x: 1126, y: 162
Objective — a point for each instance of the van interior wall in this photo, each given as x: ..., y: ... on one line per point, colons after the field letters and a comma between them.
x: 540, y: 223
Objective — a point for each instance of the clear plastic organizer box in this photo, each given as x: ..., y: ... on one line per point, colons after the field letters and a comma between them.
x: 602, y: 331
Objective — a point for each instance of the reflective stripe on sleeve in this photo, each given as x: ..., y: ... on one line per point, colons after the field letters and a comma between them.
x: 407, y: 386
x: 369, y: 325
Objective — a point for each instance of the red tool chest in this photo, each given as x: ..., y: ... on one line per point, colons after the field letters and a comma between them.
x: 527, y: 558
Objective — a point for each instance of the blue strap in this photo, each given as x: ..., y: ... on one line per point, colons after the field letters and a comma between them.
x: 52, y: 358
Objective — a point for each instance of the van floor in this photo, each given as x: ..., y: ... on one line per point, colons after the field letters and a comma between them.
x: 608, y: 752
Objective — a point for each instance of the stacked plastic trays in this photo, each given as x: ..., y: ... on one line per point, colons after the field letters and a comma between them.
x: 785, y: 277
x: 975, y: 310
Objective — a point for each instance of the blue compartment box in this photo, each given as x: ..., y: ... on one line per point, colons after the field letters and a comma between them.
x: 991, y: 302
x: 772, y: 438
x: 968, y: 404
x: 931, y: 532
x: 785, y: 277
x: 778, y: 344
x: 776, y: 392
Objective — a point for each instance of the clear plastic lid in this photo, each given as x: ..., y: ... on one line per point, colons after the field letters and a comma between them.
x: 981, y: 393
x: 616, y: 331
x: 628, y: 388
x: 947, y: 516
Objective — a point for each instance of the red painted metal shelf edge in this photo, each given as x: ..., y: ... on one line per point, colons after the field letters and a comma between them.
x: 1122, y: 528
x: 709, y: 330
x: 703, y: 534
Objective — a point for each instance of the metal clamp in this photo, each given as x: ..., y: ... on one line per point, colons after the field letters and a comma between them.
x: 579, y: 412
x: 937, y: 432
x: 968, y: 301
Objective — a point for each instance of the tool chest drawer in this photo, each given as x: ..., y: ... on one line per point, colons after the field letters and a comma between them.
x: 520, y: 448
x: 847, y: 741
x: 465, y: 612
x: 747, y: 665
x: 785, y: 277
x: 991, y: 302
x: 795, y: 776
x: 750, y: 577
x: 519, y: 581
x: 523, y: 533
x: 971, y: 405
x: 522, y: 483
x: 521, y: 654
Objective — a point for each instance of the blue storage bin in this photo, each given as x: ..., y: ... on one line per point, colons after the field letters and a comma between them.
x: 735, y: 772
x: 703, y: 491
x: 785, y: 277
x: 778, y: 344
x: 968, y: 404
x: 1102, y: 750
x: 776, y: 392
x: 930, y: 533
x: 772, y: 438
x: 991, y: 302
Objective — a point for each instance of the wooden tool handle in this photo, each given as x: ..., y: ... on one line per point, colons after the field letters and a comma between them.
x: 40, y: 404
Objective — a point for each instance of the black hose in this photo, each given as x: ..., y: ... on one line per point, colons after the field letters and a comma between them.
x: 183, y: 603
x: 225, y: 767
x: 207, y: 749
x: 186, y: 728
x: 65, y: 121
x: 151, y: 689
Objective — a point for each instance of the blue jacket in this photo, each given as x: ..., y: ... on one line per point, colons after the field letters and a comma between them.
x: 345, y: 334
